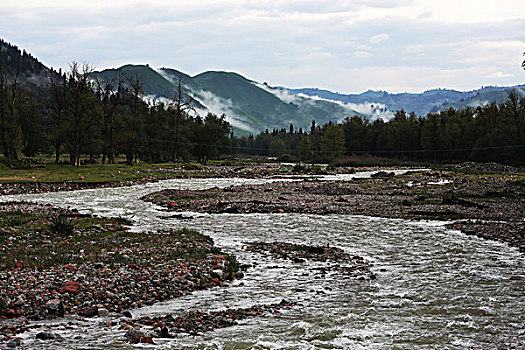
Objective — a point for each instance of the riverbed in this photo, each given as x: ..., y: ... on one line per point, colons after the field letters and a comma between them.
x: 435, y: 288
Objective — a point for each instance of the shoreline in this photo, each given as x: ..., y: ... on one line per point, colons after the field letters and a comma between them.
x: 472, y: 202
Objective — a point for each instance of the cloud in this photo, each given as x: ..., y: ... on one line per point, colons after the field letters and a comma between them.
x: 219, y: 106
x: 376, y: 39
x: 319, y: 43
x: 374, y: 110
x: 415, y: 49
x: 498, y: 75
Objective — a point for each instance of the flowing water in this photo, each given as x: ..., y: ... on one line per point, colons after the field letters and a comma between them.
x: 436, y: 288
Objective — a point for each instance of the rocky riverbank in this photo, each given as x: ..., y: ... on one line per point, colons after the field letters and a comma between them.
x: 349, y: 266
x: 443, y: 195
x: 55, y: 262
x: 195, y: 322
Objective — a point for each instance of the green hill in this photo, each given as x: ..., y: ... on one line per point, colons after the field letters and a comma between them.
x: 152, y: 82
x: 481, y: 98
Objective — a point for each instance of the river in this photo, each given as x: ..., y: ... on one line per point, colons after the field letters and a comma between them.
x: 435, y: 288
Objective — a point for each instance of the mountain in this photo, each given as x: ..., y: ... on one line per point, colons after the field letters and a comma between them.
x: 19, y: 64
x: 429, y: 101
x: 250, y: 107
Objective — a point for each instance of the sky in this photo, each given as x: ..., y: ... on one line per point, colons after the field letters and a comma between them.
x: 347, y: 46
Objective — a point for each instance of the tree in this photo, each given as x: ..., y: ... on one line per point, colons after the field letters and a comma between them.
x: 332, y: 141
x: 304, y: 148
x: 82, y: 112
x: 181, y: 106
x: 10, y: 132
x: 110, y: 95
x: 211, y: 137
x: 55, y: 108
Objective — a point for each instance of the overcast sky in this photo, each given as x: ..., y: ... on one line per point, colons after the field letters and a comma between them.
x: 346, y: 46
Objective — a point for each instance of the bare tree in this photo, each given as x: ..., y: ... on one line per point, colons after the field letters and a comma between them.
x: 56, y: 108
x: 110, y: 94
x: 10, y: 132
x: 181, y: 106
x: 82, y: 109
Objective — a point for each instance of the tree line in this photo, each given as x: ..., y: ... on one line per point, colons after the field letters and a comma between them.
x: 493, y: 132
x: 77, y: 115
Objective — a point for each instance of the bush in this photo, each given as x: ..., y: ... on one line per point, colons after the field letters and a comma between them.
x: 286, y: 157
x: 61, y: 224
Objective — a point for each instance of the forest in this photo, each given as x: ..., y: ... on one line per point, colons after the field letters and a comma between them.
x: 43, y: 111
x: 493, y: 132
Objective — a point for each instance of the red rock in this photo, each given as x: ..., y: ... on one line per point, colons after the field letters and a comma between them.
x: 71, y: 287
x: 127, y: 314
x: 69, y: 267
x: 19, y: 265
x: 10, y: 313
x: 216, y: 281
x: 172, y: 205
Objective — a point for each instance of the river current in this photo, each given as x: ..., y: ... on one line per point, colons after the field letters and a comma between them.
x: 435, y: 289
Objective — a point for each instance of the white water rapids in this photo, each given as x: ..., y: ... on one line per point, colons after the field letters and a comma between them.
x: 435, y: 288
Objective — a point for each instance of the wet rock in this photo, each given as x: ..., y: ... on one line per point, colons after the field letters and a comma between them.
x: 102, y: 311
x: 218, y: 274
x: 134, y: 335
x: 55, y: 307
x: 13, y: 343
x: 127, y: 314
x: 45, y: 336
x: 91, y: 311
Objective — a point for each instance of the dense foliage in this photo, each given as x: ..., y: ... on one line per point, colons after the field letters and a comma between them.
x: 493, y: 132
x: 81, y: 115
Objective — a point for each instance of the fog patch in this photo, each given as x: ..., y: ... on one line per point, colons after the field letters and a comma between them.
x: 219, y: 106
x: 374, y: 110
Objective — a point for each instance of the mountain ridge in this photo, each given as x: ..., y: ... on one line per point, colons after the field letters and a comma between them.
x: 253, y: 107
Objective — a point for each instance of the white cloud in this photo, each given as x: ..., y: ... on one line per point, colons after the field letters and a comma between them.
x: 219, y: 106
x: 498, y: 75
x: 376, y: 39
x: 415, y: 49
x: 374, y: 110
x: 362, y: 54
x: 324, y: 43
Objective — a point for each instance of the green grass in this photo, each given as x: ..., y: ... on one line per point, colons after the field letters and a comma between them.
x: 91, y: 173
x: 34, y: 241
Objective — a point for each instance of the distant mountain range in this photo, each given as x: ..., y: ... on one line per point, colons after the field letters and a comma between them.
x: 252, y: 107
x: 429, y: 101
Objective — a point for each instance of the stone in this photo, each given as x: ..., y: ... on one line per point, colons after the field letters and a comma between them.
x: 10, y: 313
x: 91, y: 311
x: 20, y: 301
x: 218, y: 273
x: 13, y: 343
x: 55, y: 307
x: 71, y: 287
x: 127, y: 314
x: 103, y: 311
x: 134, y: 335
x: 45, y: 336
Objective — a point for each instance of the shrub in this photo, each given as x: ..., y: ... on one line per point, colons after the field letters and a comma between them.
x: 61, y: 224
